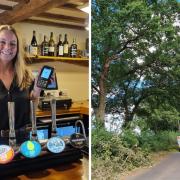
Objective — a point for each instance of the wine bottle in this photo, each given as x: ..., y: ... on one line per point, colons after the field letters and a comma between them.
x: 33, y: 47
x: 73, y: 49
x: 60, y: 48
x: 66, y: 46
x: 87, y: 48
x: 51, y: 45
x: 45, y: 47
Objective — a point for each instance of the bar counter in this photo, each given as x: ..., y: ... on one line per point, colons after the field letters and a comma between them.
x: 71, y: 171
x: 70, y: 164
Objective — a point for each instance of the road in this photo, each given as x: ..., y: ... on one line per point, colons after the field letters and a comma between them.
x: 167, y: 169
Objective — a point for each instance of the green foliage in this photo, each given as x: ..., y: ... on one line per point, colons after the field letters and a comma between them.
x: 140, y: 82
x: 129, y: 138
x: 113, y: 154
x: 164, y: 140
x: 163, y: 120
x: 127, y: 30
x: 111, y: 157
x: 100, y: 141
x: 160, y: 117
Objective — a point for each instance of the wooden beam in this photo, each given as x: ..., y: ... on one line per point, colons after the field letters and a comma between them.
x: 19, y: 0
x: 26, y: 1
x: 27, y: 9
x: 48, y: 23
x: 62, y: 18
x: 70, y: 5
x: 5, y: 7
x: 70, y: 11
x: 79, y: 1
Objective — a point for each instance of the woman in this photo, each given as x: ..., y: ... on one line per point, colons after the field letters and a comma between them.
x: 16, y: 82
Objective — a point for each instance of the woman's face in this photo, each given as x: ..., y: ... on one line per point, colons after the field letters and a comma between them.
x: 8, y: 46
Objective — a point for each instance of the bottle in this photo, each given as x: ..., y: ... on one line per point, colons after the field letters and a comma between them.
x: 66, y: 46
x: 33, y: 47
x: 51, y: 45
x: 73, y: 49
x: 45, y: 47
x: 60, y: 47
x: 87, y: 48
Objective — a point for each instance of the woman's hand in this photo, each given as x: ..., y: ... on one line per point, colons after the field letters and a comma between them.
x: 36, y: 90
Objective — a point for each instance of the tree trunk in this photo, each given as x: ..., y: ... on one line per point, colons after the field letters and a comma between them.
x: 100, y: 114
x: 128, y: 118
x: 129, y: 115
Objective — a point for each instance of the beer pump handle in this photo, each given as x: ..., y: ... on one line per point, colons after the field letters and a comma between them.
x: 33, y: 119
x: 12, y: 134
x: 53, y: 116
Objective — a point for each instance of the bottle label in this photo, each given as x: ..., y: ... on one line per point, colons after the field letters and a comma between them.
x: 65, y: 48
x: 60, y: 52
x: 73, y: 52
x: 33, y: 50
x: 45, y: 51
x: 51, y: 49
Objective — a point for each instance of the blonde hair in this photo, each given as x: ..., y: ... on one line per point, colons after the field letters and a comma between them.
x: 23, y: 75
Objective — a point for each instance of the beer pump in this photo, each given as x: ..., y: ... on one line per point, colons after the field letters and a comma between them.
x: 12, y: 134
x: 77, y: 139
x: 7, y: 152
x: 32, y: 147
x: 55, y: 144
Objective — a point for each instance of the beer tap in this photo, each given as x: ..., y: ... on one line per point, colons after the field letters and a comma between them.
x: 31, y: 148
x: 12, y: 134
x: 77, y: 139
x: 7, y: 152
x: 55, y: 144
x: 33, y: 120
x: 53, y: 116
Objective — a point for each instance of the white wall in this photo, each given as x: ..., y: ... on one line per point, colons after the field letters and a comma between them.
x: 71, y: 78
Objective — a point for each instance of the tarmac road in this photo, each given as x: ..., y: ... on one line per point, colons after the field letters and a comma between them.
x: 167, y: 169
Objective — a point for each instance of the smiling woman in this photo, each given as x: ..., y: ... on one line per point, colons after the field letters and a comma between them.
x: 16, y: 82
x: 8, y: 48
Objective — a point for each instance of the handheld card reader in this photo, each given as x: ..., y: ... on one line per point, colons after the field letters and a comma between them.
x: 44, y: 77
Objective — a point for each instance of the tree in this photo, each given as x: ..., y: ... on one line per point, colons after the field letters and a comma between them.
x: 135, y: 54
x: 158, y: 115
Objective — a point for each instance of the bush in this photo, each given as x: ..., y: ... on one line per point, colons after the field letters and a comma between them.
x: 113, y: 154
x: 110, y: 156
x: 164, y: 140
x: 129, y: 138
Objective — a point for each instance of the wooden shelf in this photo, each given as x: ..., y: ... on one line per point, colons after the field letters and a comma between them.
x: 84, y: 61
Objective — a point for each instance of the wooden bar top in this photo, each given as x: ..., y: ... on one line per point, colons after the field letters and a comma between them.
x: 72, y: 171
x: 78, y: 107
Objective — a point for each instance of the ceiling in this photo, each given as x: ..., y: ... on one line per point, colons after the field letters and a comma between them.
x: 60, y: 13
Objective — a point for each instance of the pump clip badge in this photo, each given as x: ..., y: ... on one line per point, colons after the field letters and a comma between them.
x: 6, y: 154
x: 55, y: 145
x: 78, y: 140
x: 30, y: 149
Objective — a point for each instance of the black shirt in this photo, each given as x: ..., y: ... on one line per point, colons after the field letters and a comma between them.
x: 22, y: 105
